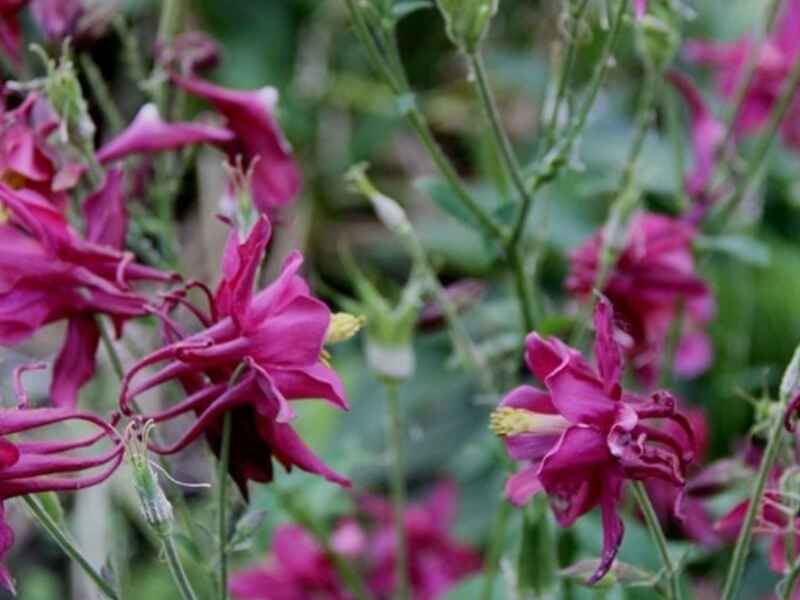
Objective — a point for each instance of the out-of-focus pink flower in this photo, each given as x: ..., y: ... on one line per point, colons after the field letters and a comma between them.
x: 32, y: 467
x: 27, y: 160
x: 639, y: 8
x: 707, y: 135
x: 436, y: 562
x: 462, y: 294
x: 190, y: 53
x: 48, y: 273
x: 694, y: 521
x: 278, y: 335
x: 654, y: 274
x: 259, y: 140
x: 582, y: 438
x: 147, y: 133
x: 297, y: 568
x: 57, y: 19
x: 774, y: 62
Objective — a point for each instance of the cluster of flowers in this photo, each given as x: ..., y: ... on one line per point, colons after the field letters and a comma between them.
x: 299, y: 568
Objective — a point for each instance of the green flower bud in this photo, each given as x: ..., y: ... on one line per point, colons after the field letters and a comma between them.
x: 467, y: 21
x: 658, y: 37
x: 156, y: 508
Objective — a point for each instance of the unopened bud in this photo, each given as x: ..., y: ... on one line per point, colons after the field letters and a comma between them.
x: 156, y: 509
x: 343, y: 327
x: 467, y: 21
x: 388, y: 210
x: 658, y: 37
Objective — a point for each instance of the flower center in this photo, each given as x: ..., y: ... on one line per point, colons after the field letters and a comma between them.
x: 508, y: 421
x: 13, y: 179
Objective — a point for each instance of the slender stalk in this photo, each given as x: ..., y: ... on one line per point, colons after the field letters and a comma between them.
x: 556, y: 158
x: 176, y: 568
x: 116, y: 363
x: 754, y: 164
x: 523, y: 288
x: 398, y: 477
x: 790, y: 582
x: 495, y: 549
x: 105, y: 101
x: 222, y: 504
x: 676, y: 141
x: 742, y: 547
x: 650, y: 517
x: 64, y: 542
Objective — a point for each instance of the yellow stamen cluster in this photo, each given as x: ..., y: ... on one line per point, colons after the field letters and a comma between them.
x: 343, y: 327
x: 508, y: 421
x: 5, y: 214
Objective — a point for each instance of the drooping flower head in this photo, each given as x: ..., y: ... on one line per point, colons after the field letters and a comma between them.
x: 32, y: 467
x: 775, y: 58
x: 49, y: 273
x: 583, y: 437
x: 257, y: 352
x: 436, y: 561
x: 653, y: 276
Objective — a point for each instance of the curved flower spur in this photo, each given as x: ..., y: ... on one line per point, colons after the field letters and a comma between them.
x: 256, y: 353
x: 580, y: 440
x: 36, y: 466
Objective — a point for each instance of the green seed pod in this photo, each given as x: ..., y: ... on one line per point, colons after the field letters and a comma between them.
x: 467, y: 21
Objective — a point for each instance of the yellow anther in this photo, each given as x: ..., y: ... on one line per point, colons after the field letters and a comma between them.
x: 343, y: 327
x: 5, y: 214
x: 508, y: 421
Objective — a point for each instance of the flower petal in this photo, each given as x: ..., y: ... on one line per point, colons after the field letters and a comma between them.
x: 606, y: 350
x: 523, y: 485
x: 613, y: 528
x: 76, y: 361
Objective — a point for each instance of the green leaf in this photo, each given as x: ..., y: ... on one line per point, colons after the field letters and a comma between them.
x: 536, y: 566
x: 446, y: 199
x: 743, y: 248
x: 403, y: 8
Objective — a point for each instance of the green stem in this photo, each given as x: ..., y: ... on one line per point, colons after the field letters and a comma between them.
x: 102, y: 94
x: 523, y: 289
x: 495, y: 549
x: 677, y: 143
x: 176, y: 568
x: 222, y: 504
x: 790, y: 582
x: 557, y: 157
x: 398, y: 477
x: 650, y: 517
x: 116, y: 363
x: 754, y: 164
x: 62, y: 539
x: 742, y: 547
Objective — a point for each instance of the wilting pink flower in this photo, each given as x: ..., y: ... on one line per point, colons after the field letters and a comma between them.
x: 707, y: 135
x: 436, y: 562
x: 31, y: 467
x: 27, y: 160
x: 774, y: 61
x: 278, y: 335
x: 259, y: 140
x: 48, y: 273
x: 582, y: 438
x: 462, y: 295
x: 148, y: 133
x: 57, y: 19
x: 298, y: 568
x: 693, y: 521
x: 189, y: 53
x: 652, y: 277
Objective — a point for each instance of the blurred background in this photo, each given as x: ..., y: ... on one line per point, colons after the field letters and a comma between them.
x: 335, y: 113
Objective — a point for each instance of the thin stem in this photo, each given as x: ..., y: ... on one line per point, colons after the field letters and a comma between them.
x: 742, y: 547
x: 650, y: 517
x: 790, y: 581
x: 398, y: 477
x: 556, y: 158
x: 676, y: 141
x: 222, y: 504
x: 105, y: 101
x: 495, y: 549
x: 116, y: 363
x: 176, y: 568
x: 523, y: 288
x: 62, y: 539
x: 754, y: 164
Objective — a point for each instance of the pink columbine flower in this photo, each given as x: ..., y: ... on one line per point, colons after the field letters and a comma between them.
x: 49, y: 273
x: 774, y: 62
x: 582, y: 438
x: 654, y: 274
x: 31, y: 467
x: 298, y: 568
x: 640, y: 8
x: 436, y: 562
x: 259, y: 140
x: 278, y: 335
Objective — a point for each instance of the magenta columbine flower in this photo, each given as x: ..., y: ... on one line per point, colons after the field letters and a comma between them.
x: 272, y: 341
x: 298, y: 568
x: 32, y: 467
x: 48, y: 273
x: 651, y: 279
x: 579, y: 440
x: 774, y: 62
x: 436, y: 561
